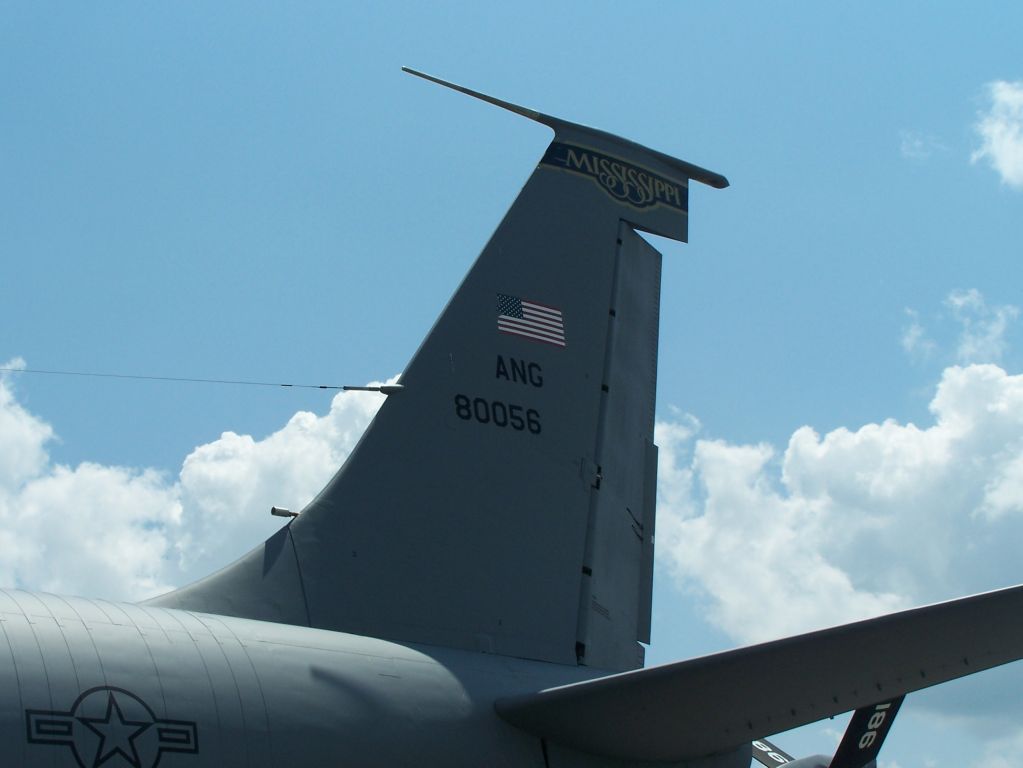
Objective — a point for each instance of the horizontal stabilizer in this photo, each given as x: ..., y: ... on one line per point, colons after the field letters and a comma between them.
x: 649, y: 189
x: 683, y: 168
x: 707, y: 705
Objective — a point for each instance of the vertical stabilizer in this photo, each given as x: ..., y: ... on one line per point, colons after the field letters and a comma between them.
x: 503, y: 500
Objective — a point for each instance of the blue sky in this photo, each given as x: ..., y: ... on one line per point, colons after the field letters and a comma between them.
x: 254, y: 191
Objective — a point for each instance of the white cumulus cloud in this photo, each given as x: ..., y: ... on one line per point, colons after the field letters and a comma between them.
x: 982, y: 329
x: 129, y: 533
x: 1000, y: 128
x: 852, y: 523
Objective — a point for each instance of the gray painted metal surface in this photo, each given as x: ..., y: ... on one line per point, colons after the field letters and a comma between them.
x: 694, y: 707
x: 191, y: 689
x: 470, y: 515
x: 615, y: 596
x: 93, y: 683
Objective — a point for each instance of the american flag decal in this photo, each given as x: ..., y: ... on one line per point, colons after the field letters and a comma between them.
x: 537, y: 322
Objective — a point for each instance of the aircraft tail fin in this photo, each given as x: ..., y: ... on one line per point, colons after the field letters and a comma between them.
x: 503, y: 499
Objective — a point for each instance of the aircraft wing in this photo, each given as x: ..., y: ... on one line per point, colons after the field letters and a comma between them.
x: 714, y: 703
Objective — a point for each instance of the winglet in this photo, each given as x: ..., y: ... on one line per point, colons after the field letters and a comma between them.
x: 689, y: 170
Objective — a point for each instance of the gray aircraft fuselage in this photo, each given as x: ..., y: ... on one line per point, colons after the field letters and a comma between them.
x: 80, y: 681
x: 244, y: 692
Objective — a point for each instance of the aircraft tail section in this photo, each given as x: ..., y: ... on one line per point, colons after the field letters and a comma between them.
x: 503, y: 499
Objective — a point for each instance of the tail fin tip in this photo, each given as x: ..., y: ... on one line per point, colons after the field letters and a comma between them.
x: 695, y: 172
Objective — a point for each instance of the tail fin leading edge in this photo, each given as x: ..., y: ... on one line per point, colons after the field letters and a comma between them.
x: 503, y: 500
